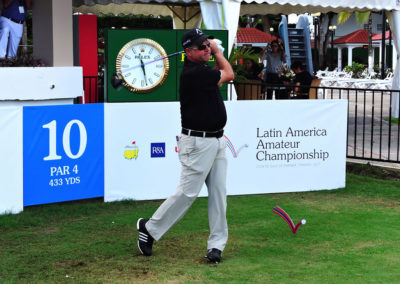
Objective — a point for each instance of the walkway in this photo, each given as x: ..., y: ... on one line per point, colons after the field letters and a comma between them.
x: 370, y: 135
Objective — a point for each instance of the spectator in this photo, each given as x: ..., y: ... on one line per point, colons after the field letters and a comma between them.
x: 275, y: 60
x: 302, y: 78
x: 11, y: 26
x: 251, y: 70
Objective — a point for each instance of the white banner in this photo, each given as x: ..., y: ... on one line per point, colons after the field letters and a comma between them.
x: 44, y: 83
x: 273, y: 146
x: 11, y: 196
x: 129, y: 170
x: 291, y: 145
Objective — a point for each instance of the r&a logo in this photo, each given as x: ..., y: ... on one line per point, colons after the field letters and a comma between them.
x: 157, y: 150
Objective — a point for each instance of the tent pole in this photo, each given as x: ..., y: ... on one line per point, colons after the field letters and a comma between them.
x: 184, y: 19
x: 383, y: 45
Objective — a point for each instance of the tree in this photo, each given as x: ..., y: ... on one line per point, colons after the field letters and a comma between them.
x: 361, y: 18
x: 323, y: 45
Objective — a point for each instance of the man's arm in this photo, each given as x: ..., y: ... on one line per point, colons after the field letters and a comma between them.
x: 28, y: 4
x: 297, y: 89
x: 7, y: 3
x: 222, y: 64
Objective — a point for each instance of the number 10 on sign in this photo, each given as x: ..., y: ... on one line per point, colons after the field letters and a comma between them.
x: 52, y: 126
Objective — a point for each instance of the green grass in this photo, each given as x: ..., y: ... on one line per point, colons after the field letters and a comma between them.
x: 351, y: 236
x: 393, y: 120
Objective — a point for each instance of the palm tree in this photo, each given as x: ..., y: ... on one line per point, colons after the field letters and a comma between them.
x: 323, y: 43
x: 361, y: 18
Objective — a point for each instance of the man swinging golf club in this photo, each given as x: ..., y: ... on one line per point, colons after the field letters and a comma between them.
x: 201, y: 147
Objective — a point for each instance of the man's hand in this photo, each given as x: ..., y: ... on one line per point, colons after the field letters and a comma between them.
x: 214, y: 47
x: 297, y: 89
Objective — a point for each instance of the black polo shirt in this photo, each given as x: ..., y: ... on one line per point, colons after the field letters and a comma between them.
x: 305, y: 79
x: 202, y: 107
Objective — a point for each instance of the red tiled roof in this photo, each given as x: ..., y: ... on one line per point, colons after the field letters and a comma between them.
x: 360, y: 36
x: 379, y: 36
x: 252, y: 35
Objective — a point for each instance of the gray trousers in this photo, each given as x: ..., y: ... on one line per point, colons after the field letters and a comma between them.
x: 203, y: 160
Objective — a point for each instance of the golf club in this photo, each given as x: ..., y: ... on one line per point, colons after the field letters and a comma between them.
x: 116, y: 79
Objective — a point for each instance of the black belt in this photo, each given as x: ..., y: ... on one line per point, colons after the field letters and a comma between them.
x: 15, y: 21
x: 217, y: 134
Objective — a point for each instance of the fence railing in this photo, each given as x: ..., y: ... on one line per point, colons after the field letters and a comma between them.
x: 91, y: 89
x: 373, y: 132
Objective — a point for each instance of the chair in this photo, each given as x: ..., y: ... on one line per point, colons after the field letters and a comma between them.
x: 389, y: 76
x: 322, y: 73
x: 312, y: 94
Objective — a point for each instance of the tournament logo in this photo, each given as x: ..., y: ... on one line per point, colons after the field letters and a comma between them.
x: 235, y: 153
x: 131, y: 151
x: 157, y: 150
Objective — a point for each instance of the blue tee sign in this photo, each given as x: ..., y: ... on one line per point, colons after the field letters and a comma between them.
x: 63, y: 153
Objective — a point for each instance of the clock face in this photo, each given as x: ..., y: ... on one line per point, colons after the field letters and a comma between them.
x: 142, y: 65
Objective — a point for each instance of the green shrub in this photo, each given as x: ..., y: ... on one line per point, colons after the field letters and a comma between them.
x: 21, y: 61
x: 237, y: 59
x: 356, y: 68
x: 377, y: 71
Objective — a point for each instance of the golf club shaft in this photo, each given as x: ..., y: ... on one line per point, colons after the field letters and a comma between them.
x: 155, y: 60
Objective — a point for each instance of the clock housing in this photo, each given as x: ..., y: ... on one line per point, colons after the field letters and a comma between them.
x: 143, y: 65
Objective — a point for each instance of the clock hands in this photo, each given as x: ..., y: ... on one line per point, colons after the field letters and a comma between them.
x: 144, y: 70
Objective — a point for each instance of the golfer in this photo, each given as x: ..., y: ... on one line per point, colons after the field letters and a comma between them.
x: 201, y: 147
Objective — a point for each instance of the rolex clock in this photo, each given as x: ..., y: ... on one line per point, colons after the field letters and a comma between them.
x: 142, y: 65
x: 136, y: 68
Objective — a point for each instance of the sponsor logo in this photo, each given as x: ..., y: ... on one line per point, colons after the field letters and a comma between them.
x: 235, y: 153
x: 131, y: 151
x: 157, y: 150
x: 142, y: 56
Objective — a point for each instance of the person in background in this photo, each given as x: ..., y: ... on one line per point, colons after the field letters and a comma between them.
x: 12, y: 18
x: 201, y: 147
x: 251, y: 69
x: 302, y: 78
x: 275, y: 60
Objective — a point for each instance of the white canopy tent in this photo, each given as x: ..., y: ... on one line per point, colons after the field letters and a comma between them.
x: 216, y: 14
x: 224, y: 14
x: 187, y: 15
